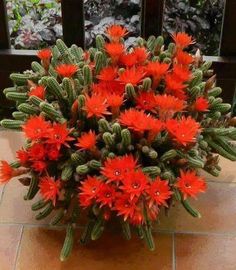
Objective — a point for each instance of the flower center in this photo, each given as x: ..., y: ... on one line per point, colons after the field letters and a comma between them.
x: 108, y: 195
x: 157, y: 193
x: 94, y: 189
x: 117, y: 172
x: 135, y: 185
x: 188, y: 186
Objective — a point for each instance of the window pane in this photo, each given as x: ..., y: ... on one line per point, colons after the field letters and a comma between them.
x: 34, y: 24
x: 99, y: 14
x: 200, y: 18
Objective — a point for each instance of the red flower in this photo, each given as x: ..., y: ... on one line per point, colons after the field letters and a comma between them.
x: 114, y: 100
x: 44, y: 54
x: 135, y: 183
x: 106, y: 195
x: 96, y: 105
x: 59, y: 135
x: 103, y: 88
x: 115, y: 169
x: 133, y: 76
x: 141, y: 55
x: 39, y: 166
x: 183, y: 131
x: 168, y: 105
x: 146, y: 101
x: 157, y: 69
x: 107, y: 74
x: 87, y: 141
x: 183, y: 58
x: 37, y: 152
x: 125, y: 206
x: 201, y: 104
x: 89, y: 190
x: 66, y: 70
x: 154, y: 126
x: 190, y: 184
x: 36, y: 128
x: 22, y: 156
x: 175, y: 87
x: 137, y: 218
x: 115, y: 50
x: 49, y: 188
x: 128, y: 60
x: 139, y: 121
x: 6, y: 172
x: 52, y: 152
x: 182, y: 40
x: 38, y: 91
x: 181, y: 73
x: 116, y: 32
x: 159, y: 192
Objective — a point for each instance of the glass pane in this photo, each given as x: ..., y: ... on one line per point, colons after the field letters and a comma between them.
x: 99, y: 14
x: 200, y: 18
x: 34, y: 24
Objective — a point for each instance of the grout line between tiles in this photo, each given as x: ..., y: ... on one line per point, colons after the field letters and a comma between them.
x: 18, y: 247
x: 173, y: 252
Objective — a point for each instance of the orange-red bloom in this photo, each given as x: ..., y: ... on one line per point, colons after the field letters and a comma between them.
x: 39, y: 166
x: 125, y: 206
x: 44, y: 54
x: 181, y: 73
x: 108, y: 74
x: 141, y: 55
x: 66, y: 70
x: 129, y: 59
x: 87, y: 141
x: 168, y: 105
x: 106, y: 195
x: 139, y: 121
x: 182, y: 40
x: 133, y: 76
x: 114, y: 100
x: 201, y: 104
x: 37, y: 152
x: 22, y: 156
x: 53, y: 152
x: 135, y: 183
x: 159, y: 192
x: 103, y: 88
x: 36, y: 128
x: 116, y: 32
x: 38, y: 91
x: 183, y: 58
x: 59, y: 135
x: 175, y: 87
x: 115, y: 50
x: 183, y: 131
x: 190, y: 184
x: 6, y: 172
x: 156, y: 69
x: 89, y: 190
x: 115, y: 169
x: 49, y: 188
x: 146, y: 100
x: 96, y: 105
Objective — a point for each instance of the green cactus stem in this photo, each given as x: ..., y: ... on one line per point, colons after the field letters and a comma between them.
x: 11, y: 124
x: 68, y: 243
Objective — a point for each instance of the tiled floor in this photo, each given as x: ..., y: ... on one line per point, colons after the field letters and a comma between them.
x: 182, y: 242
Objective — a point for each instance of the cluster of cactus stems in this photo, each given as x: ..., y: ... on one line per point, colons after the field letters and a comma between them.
x: 162, y: 156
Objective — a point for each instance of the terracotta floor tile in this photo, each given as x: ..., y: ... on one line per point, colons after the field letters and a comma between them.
x: 9, y: 241
x: 14, y: 209
x: 228, y: 173
x: 217, y: 206
x: 195, y: 252
x: 109, y: 252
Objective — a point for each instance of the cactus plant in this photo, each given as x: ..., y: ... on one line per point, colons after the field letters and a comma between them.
x: 121, y: 132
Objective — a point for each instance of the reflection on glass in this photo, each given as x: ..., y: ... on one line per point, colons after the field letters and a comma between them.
x: 34, y: 24
x: 200, y: 18
x: 100, y: 13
